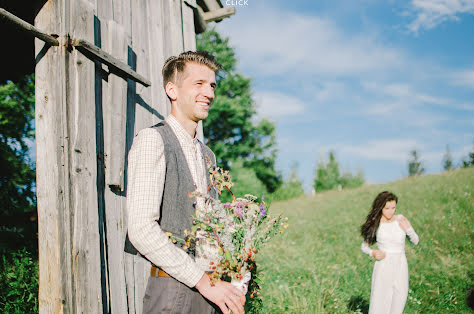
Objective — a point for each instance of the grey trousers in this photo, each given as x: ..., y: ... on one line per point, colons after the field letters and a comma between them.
x: 167, y: 295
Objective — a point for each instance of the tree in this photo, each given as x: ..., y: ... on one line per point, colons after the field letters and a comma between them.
x: 291, y: 188
x: 17, y: 173
x: 415, y: 165
x: 231, y: 129
x: 328, y: 175
x: 447, y: 160
x: 469, y: 160
x: 350, y: 180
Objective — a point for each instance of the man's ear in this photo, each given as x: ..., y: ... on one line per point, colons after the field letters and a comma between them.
x: 170, y: 90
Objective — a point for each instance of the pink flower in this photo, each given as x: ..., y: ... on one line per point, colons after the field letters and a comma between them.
x: 238, y: 211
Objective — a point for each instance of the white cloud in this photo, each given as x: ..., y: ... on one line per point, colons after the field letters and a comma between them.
x: 405, y: 100
x: 280, y: 42
x: 276, y: 105
x: 392, y: 150
x: 330, y: 91
x: 430, y: 13
x: 464, y: 78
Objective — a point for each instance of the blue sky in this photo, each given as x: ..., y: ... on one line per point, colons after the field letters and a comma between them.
x: 368, y: 79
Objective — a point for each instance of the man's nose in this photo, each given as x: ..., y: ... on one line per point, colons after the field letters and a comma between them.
x: 209, y: 92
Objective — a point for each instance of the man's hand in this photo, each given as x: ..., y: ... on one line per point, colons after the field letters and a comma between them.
x: 227, y: 297
x: 378, y: 254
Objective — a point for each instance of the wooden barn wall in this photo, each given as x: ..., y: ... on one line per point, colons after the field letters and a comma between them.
x: 86, y: 118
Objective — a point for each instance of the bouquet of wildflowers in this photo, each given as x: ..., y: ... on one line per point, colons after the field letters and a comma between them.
x: 239, y: 229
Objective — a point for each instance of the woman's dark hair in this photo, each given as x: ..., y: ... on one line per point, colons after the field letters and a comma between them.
x: 369, y: 229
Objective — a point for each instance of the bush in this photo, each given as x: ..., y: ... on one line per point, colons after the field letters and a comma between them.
x: 290, y: 188
x: 350, y: 180
x: 245, y: 182
x: 18, y: 282
x: 328, y: 176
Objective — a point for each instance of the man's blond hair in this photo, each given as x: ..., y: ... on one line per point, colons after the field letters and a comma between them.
x: 175, y: 66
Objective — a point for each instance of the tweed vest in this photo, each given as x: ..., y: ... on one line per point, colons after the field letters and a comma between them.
x: 177, y: 208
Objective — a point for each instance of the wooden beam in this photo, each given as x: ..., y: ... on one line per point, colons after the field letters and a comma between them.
x: 212, y: 5
x: 218, y: 14
x: 103, y: 56
x: 110, y: 60
x: 27, y: 27
x: 199, y: 23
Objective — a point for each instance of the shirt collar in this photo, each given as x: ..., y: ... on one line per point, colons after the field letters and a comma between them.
x: 179, y: 130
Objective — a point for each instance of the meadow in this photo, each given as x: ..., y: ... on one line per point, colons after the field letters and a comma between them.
x: 316, y: 265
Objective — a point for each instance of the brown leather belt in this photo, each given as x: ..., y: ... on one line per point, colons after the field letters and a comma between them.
x: 156, y: 272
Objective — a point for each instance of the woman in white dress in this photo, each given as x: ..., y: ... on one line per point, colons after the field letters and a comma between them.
x: 390, y: 276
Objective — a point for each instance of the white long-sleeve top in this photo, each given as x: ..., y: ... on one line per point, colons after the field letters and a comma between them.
x: 146, y: 176
x: 391, y: 238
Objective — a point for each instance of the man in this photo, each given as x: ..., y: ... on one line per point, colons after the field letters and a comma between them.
x: 165, y: 163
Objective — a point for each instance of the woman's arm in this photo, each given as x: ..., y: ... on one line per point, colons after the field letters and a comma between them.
x: 406, y: 226
x: 365, y: 248
x: 412, y: 235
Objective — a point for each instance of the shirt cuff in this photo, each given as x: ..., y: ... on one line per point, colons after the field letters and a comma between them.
x: 194, y: 278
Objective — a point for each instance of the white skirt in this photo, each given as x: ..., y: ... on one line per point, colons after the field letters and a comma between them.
x: 389, y: 285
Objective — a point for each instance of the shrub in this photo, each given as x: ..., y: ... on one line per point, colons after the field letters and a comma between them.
x: 18, y: 282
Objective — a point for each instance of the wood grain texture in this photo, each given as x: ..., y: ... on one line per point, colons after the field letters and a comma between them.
x: 116, y: 42
x: 157, y: 46
x: 55, y: 282
x: 87, y: 229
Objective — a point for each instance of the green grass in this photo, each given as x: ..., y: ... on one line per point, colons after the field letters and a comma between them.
x: 317, y: 266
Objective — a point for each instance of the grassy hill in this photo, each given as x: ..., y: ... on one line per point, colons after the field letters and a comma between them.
x: 317, y: 266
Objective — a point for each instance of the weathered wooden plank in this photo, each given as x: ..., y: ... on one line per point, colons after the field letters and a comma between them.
x: 218, y: 15
x: 212, y: 5
x: 108, y: 59
x: 115, y: 110
x: 122, y: 14
x: 173, y: 27
x: 140, y: 33
x: 157, y: 58
x: 52, y: 165
x: 188, y: 26
x: 115, y: 100
x: 115, y: 242
x: 89, y: 275
x: 130, y: 283
x: 104, y: 9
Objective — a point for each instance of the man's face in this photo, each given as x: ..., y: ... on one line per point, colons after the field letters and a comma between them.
x: 195, y: 91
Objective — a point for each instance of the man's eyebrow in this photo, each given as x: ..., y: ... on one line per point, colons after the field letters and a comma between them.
x: 213, y: 84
